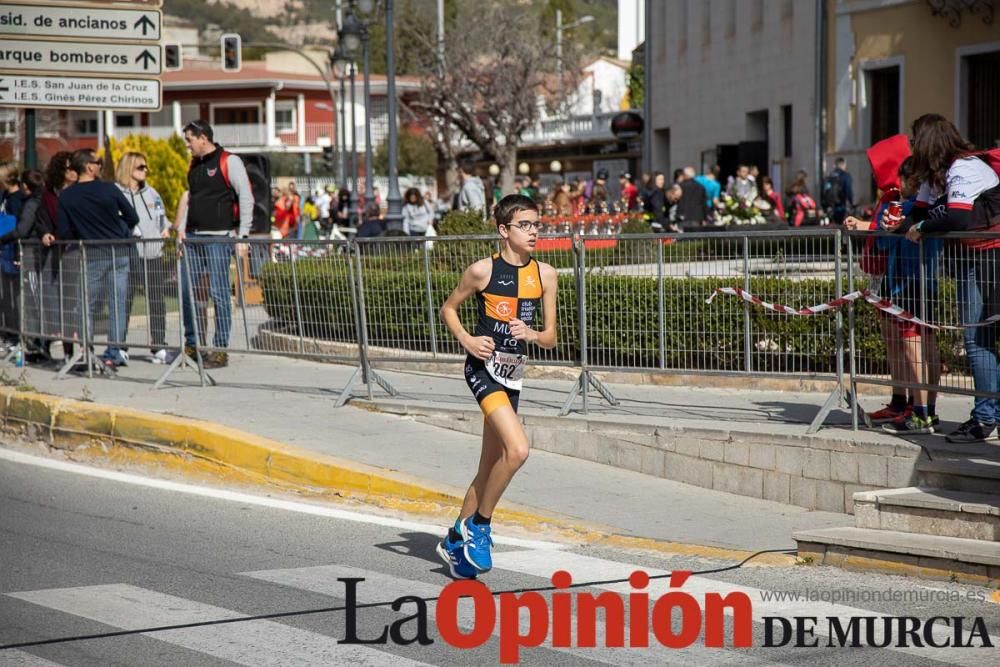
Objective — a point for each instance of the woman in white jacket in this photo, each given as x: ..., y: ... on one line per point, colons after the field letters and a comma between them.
x: 418, y: 215
x: 147, y: 267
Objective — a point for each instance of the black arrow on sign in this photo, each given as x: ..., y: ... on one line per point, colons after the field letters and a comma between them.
x: 145, y: 23
x: 4, y: 89
x: 146, y: 57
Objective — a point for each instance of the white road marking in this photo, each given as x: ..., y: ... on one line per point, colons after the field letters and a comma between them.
x: 261, y: 642
x: 379, y: 587
x: 15, y: 658
x: 260, y: 501
x: 587, y: 568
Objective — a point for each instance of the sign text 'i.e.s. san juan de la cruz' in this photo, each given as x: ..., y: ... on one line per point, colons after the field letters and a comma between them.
x: 73, y: 55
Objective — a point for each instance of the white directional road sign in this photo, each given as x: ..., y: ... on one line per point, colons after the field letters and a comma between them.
x: 79, y: 22
x: 67, y: 92
x: 38, y: 55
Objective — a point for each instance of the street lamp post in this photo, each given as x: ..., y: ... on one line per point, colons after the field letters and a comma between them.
x: 340, y: 64
x: 354, y: 151
x: 559, y: 38
x: 394, y: 216
x: 352, y: 35
x: 366, y: 7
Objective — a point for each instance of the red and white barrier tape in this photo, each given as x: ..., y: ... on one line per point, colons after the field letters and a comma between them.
x: 885, y: 305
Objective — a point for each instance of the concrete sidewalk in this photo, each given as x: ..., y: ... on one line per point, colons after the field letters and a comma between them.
x: 292, y: 401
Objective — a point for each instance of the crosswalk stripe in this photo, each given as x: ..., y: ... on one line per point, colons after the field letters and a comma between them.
x: 15, y: 658
x: 380, y: 587
x: 588, y: 568
x: 258, y: 642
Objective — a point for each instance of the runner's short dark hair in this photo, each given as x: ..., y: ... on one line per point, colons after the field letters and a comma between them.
x: 505, y: 209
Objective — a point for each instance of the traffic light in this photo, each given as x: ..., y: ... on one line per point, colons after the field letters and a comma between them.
x: 232, y: 59
x: 172, y: 59
x: 328, y: 157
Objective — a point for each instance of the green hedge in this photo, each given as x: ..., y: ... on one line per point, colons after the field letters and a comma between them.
x: 622, y: 315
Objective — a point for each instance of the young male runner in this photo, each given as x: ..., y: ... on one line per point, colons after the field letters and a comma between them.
x: 508, y: 287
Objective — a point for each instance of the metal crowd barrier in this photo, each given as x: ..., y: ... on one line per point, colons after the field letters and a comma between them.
x: 627, y: 303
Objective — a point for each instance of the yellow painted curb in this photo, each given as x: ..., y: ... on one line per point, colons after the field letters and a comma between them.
x: 134, y: 436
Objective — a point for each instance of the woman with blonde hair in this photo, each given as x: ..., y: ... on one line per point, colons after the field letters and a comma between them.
x: 147, y: 267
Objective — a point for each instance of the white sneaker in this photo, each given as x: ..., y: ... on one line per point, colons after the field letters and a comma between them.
x: 160, y: 357
x: 122, y: 358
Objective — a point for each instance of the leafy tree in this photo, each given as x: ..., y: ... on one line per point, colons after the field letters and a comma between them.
x: 636, y: 91
x: 168, y: 164
x: 416, y: 155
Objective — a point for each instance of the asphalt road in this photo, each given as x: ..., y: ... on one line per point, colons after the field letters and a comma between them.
x: 85, y: 552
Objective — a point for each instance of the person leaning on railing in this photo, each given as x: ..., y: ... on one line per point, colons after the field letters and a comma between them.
x: 148, y: 270
x: 33, y: 222
x: 945, y: 165
x: 918, y: 358
x: 92, y: 210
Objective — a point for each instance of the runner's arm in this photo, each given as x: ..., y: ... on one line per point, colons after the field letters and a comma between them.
x: 473, y: 280
x: 548, y: 337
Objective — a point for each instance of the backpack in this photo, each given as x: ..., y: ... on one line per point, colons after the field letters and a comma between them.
x: 832, y: 190
x: 258, y: 168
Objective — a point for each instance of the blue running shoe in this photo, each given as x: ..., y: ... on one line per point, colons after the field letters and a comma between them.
x: 478, y: 545
x: 453, y: 554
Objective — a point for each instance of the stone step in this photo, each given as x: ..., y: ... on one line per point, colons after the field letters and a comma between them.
x: 943, y: 512
x: 925, y: 556
x: 975, y: 475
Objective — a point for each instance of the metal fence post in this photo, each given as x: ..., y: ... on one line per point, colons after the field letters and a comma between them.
x: 747, y: 365
x: 240, y: 287
x: 660, y: 304
x: 298, y: 303
x: 430, y: 299
x: 851, y: 326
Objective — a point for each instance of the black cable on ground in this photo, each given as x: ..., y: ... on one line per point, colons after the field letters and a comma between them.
x: 368, y: 605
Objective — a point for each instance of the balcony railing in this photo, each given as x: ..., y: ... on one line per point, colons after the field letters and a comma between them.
x: 248, y: 135
x: 573, y: 128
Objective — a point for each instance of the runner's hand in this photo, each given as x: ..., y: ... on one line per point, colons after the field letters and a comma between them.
x: 481, y: 347
x: 521, y: 331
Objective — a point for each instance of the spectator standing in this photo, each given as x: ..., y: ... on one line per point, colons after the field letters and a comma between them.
x: 691, y: 207
x: 768, y: 193
x: 713, y: 189
x: 93, y: 210
x: 470, y: 195
x: 655, y: 202
x: 147, y: 268
x: 12, y: 200
x: 803, y: 206
x: 838, y: 192
x: 323, y: 200
x: 32, y: 223
x: 629, y: 192
x: 220, y: 205
x: 742, y: 187
x: 561, y: 199
x: 63, y: 307
x: 596, y: 190
x: 945, y: 166
x: 418, y: 214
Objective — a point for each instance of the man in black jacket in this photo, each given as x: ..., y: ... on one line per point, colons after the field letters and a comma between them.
x: 220, y: 206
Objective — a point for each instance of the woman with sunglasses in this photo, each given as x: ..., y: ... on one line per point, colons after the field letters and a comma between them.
x: 512, y: 292
x: 147, y: 267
